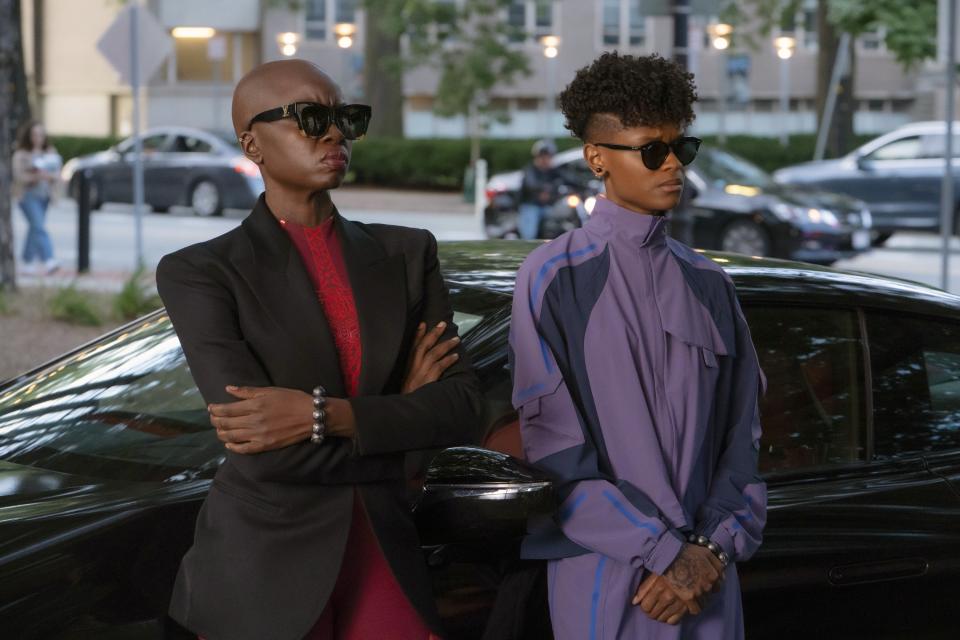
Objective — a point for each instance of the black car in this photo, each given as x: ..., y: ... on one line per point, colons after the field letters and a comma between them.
x: 107, y: 453
x: 733, y: 205
x: 181, y: 166
x: 899, y: 175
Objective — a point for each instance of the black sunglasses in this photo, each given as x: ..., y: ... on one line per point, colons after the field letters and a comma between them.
x: 655, y: 153
x: 314, y: 119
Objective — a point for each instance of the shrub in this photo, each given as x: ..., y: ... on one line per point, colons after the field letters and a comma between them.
x: 73, y: 146
x: 73, y: 306
x: 136, y: 298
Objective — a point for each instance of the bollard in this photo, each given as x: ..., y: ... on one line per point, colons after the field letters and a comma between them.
x: 83, y: 222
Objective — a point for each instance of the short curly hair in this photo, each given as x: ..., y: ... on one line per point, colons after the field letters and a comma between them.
x: 639, y: 91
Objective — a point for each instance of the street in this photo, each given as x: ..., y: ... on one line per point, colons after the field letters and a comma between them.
x: 912, y: 256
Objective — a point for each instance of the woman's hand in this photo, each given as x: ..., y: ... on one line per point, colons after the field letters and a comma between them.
x: 268, y: 418
x: 429, y: 358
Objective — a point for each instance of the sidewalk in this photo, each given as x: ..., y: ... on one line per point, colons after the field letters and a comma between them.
x: 112, y: 254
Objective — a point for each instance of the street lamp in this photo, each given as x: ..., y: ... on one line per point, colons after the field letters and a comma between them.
x: 720, y: 35
x: 287, y: 41
x: 785, y: 47
x: 551, y: 49
x: 345, y: 32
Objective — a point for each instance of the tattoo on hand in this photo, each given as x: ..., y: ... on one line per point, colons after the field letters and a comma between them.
x: 681, y: 573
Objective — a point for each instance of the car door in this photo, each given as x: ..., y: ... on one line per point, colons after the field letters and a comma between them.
x: 894, y: 180
x: 117, y: 178
x: 850, y: 534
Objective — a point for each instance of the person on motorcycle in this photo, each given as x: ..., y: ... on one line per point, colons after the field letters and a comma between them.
x: 538, y: 190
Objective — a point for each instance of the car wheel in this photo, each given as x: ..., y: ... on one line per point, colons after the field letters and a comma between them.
x: 161, y: 209
x: 881, y: 239
x: 743, y: 236
x: 205, y: 198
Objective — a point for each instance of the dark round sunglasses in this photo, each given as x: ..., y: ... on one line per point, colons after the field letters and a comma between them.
x: 314, y: 119
x: 655, y: 153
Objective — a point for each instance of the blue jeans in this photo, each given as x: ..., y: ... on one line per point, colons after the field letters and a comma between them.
x: 37, y: 245
x: 530, y: 217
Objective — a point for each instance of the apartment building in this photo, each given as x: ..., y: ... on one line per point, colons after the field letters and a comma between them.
x: 79, y: 93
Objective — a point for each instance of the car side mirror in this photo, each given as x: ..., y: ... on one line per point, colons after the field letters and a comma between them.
x: 864, y: 163
x: 474, y: 496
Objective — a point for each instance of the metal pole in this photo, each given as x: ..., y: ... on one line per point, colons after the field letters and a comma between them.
x: 785, y: 101
x: 480, y: 196
x: 839, y: 68
x: 138, y: 142
x: 681, y: 16
x: 83, y: 221
x: 724, y: 80
x: 946, y: 204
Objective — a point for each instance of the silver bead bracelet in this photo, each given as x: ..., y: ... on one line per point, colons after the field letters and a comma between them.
x: 713, y: 547
x: 319, y: 415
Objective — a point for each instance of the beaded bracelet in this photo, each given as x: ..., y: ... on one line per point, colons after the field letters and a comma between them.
x: 319, y: 415
x: 713, y: 547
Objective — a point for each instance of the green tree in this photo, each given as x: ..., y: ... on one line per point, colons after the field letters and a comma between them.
x: 14, y: 111
x: 469, y: 46
x: 910, y: 34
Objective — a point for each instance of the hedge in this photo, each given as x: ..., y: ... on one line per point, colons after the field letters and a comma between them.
x: 439, y: 163
x: 72, y: 146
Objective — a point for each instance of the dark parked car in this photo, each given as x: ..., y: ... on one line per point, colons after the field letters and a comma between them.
x: 735, y: 206
x: 899, y: 175
x: 181, y: 166
x: 106, y: 454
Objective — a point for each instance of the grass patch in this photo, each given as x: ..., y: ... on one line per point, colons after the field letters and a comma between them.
x: 136, y: 298
x: 5, y: 309
x: 74, y: 307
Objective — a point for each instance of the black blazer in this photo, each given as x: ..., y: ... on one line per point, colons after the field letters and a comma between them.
x: 271, y: 533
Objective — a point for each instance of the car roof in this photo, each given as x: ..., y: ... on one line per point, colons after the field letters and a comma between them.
x: 492, y: 265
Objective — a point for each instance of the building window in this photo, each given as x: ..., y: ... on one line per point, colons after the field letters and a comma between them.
x: 322, y: 15
x: 637, y: 36
x: 873, y: 40
x: 316, y: 28
x: 530, y: 19
x: 809, y: 21
x: 611, y: 22
x: 623, y: 23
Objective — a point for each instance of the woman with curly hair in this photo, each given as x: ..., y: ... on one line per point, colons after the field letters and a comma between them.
x: 637, y: 383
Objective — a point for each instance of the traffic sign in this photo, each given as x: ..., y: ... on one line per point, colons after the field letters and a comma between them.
x: 155, y: 44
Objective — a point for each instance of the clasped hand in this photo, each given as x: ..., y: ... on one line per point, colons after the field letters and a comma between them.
x: 684, y: 586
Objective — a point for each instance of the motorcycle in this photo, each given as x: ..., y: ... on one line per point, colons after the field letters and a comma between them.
x: 570, y: 210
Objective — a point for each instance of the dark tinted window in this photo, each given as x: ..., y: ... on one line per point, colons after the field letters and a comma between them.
x: 916, y: 383
x: 124, y: 407
x: 189, y: 144
x: 813, y: 411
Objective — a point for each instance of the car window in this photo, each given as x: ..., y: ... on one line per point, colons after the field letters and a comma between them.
x: 813, y: 413
x: 152, y: 143
x: 934, y: 146
x: 189, y: 144
x: 915, y: 364
x: 125, y: 408
x: 721, y: 168
x: 902, y: 149
x: 577, y: 172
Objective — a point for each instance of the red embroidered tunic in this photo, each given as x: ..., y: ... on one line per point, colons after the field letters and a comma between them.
x: 323, y: 257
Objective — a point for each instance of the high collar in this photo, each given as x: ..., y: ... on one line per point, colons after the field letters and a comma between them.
x: 613, y: 221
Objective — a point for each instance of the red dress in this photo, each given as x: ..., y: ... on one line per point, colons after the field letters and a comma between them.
x: 367, y: 602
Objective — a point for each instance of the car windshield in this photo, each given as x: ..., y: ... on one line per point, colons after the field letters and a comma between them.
x: 126, y: 408
x: 721, y: 169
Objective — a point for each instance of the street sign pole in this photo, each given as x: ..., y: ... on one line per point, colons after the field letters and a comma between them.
x: 138, y: 142
x: 947, y: 208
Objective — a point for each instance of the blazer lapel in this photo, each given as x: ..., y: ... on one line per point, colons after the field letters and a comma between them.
x: 379, y: 286
x: 275, y: 272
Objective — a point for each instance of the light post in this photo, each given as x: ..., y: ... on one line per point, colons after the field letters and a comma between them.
x: 345, y: 32
x: 287, y: 43
x: 785, y: 47
x: 720, y: 34
x: 551, y: 49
